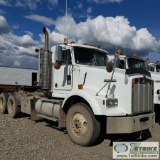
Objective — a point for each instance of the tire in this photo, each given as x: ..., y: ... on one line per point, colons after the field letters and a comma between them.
x: 3, y: 103
x: 12, y: 107
x: 82, y: 126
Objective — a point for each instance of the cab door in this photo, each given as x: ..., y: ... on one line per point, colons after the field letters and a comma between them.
x: 63, y: 76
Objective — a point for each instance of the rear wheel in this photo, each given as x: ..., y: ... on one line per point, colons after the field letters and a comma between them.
x: 3, y: 103
x: 82, y: 126
x: 12, y: 107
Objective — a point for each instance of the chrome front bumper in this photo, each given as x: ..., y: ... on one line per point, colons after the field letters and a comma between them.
x: 130, y: 124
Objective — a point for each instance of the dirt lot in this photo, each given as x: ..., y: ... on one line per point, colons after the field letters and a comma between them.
x: 23, y: 139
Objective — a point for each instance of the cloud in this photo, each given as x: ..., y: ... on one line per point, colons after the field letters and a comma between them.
x: 17, y: 50
x: 143, y: 40
x: 80, y: 5
x: 18, y: 45
x: 4, y: 28
x: 108, y: 32
x: 53, y: 2
x: 89, y: 10
x: 14, y: 53
x: 105, y: 1
x: 45, y: 20
x: 22, y: 61
x: 4, y: 3
x: 24, y: 40
x: 16, y: 26
x: 31, y: 4
x: 29, y: 33
x: 2, y: 12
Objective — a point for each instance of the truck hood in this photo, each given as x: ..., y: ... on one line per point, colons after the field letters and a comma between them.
x: 96, y: 82
x: 95, y: 78
x: 155, y: 76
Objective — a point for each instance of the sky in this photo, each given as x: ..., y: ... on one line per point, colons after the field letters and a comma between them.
x: 130, y: 25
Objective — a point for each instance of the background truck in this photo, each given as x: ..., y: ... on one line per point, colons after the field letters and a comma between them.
x: 153, y: 67
x: 135, y: 63
x: 77, y: 92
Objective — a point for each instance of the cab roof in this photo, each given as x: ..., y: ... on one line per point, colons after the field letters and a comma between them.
x: 85, y: 46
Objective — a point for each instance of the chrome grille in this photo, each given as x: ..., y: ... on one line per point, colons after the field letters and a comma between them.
x: 142, y: 95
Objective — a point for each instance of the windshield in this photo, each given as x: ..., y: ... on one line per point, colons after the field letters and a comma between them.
x: 158, y: 68
x: 136, y: 63
x: 88, y: 56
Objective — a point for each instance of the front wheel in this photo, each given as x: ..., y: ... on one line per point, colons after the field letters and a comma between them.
x: 81, y: 124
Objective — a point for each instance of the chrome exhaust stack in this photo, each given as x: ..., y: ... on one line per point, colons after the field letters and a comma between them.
x: 45, y: 65
x: 46, y: 39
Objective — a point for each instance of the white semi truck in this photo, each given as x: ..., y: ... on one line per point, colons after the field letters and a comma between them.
x: 135, y: 63
x: 79, y: 89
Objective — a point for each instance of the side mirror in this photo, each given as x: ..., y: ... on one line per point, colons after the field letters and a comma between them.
x: 57, y: 65
x: 58, y: 57
x: 109, y: 67
x: 158, y: 91
x: 36, y: 50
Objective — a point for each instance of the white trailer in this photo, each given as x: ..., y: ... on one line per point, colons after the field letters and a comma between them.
x: 17, y: 76
x: 80, y: 90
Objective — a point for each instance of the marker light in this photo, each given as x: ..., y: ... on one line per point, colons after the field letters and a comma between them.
x: 118, y: 51
x: 72, y: 42
x: 80, y: 86
x: 157, y: 62
x: 65, y: 40
x: 135, y: 55
x: 103, y: 102
x: 87, y: 44
x: 148, y: 59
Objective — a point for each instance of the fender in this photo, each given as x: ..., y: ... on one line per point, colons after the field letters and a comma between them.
x: 96, y: 108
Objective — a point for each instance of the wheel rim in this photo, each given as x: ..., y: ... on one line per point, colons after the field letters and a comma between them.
x: 1, y: 103
x: 79, y: 125
x: 10, y: 106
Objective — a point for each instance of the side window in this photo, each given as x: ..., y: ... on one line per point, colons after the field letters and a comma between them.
x: 66, y: 57
x: 150, y: 68
x: 121, y: 64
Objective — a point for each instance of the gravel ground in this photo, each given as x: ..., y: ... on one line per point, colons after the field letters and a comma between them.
x: 23, y: 139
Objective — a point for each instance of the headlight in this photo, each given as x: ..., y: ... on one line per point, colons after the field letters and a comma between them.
x: 112, y: 102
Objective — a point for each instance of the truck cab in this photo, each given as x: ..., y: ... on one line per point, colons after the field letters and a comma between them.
x: 128, y: 62
x: 76, y: 64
